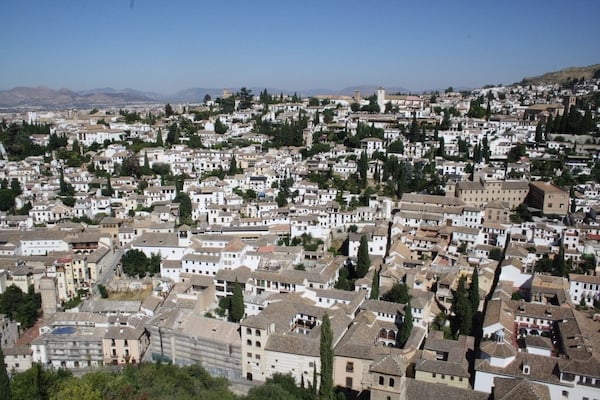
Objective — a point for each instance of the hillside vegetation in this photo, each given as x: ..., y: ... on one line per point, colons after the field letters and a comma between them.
x: 562, y: 76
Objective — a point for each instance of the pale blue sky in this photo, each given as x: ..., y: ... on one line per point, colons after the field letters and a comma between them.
x: 167, y: 46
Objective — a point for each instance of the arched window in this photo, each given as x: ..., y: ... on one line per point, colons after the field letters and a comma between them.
x: 257, y: 343
x: 391, y: 335
x: 383, y: 333
x: 249, y: 342
x: 392, y: 382
x: 248, y: 331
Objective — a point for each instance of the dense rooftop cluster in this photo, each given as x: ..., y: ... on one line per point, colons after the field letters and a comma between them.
x: 449, y: 240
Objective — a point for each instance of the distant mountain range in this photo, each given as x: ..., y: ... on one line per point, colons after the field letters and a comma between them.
x: 42, y: 97
x: 45, y: 98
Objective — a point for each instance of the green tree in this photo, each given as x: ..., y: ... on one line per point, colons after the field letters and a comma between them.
x: 220, y: 127
x: 363, y: 167
x: 168, y: 110
x: 363, y: 260
x: 407, y: 325
x: 108, y: 190
x: 496, y: 254
x: 159, y: 139
x: 102, y: 290
x: 7, y: 199
x: 539, y: 133
x: 233, y: 169
x: 146, y: 167
x: 246, y: 98
x: 227, y: 104
x: 173, y: 134
x: 396, y: 147
x: 375, y: 286
x: 19, y: 306
x: 154, y: 263
x: 558, y: 263
x: 516, y: 153
x: 65, y: 188
x: 461, y: 307
x: 76, y: 389
x: 135, y: 263
x: 37, y: 383
x: 15, y: 187
x: 236, y: 311
x: 185, y: 207
x: 474, y: 291
x: 326, y: 353
x: 4, y: 380
x: 397, y: 294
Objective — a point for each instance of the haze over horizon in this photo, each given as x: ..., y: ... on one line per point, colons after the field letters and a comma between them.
x: 164, y: 47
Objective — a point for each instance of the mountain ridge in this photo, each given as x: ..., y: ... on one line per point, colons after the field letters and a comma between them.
x: 47, y: 98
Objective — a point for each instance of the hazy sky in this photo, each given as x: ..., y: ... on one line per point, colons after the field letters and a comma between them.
x: 170, y: 45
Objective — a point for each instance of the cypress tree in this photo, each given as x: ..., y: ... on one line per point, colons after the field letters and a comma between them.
x: 236, y: 311
x: 159, y: 139
x: 474, y: 291
x: 313, y: 388
x: 375, y: 286
x: 363, y: 262
x: 558, y: 263
x: 407, y: 325
x: 4, y: 380
x: 549, y: 127
x: 326, y: 353
x: 232, y: 165
x: 363, y: 167
x: 461, y: 306
x: 146, y: 168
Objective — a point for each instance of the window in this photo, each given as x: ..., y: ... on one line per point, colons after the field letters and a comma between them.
x: 392, y: 382
x: 433, y: 374
x: 348, y: 382
x: 349, y: 367
x: 565, y: 394
x: 249, y: 342
x: 381, y: 380
x: 248, y: 331
x: 257, y: 343
x: 257, y: 332
x: 249, y: 355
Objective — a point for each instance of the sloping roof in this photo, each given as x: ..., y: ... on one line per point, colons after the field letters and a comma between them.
x: 390, y: 364
x: 435, y: 391
x: 520, y: 389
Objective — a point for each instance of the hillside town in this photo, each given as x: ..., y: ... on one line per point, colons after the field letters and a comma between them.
x: 448, y: 243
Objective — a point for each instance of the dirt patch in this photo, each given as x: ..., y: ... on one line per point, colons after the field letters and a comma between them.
x: 130, y: 294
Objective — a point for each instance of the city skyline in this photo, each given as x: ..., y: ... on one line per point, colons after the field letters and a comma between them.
x: 151, y: 46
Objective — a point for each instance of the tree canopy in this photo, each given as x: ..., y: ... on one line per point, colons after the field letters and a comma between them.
x: 19, y: 306
x: 136, y: 263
